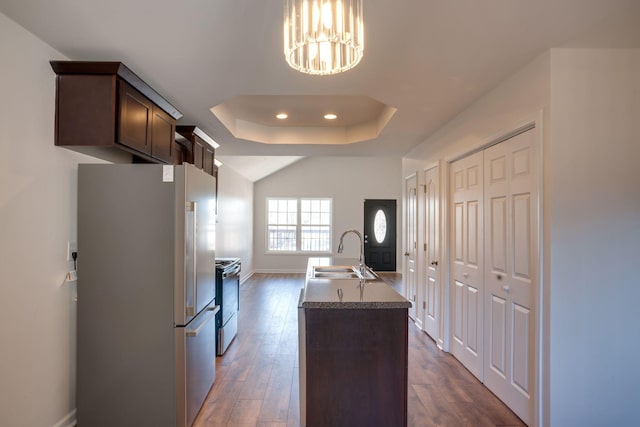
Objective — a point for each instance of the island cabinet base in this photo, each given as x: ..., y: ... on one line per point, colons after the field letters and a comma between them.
x: 355, y: 365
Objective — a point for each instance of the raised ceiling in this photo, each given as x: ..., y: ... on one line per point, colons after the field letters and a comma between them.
x: 427, y: 59
x: 254, y: 118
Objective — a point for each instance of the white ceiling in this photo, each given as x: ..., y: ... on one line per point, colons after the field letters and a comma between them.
x: 429, y: 59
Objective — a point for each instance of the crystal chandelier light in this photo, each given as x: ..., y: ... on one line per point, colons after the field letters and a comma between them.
x: 323, y: 36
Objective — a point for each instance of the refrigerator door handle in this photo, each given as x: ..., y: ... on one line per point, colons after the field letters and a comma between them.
x: 192, y: 207
x: 209, y: 315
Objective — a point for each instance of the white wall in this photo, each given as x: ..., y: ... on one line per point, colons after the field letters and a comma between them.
x: 234, y: 229
x: 37, y: 218
x: 348, y: 180
x: 519, y: 98
x: 595, y: 236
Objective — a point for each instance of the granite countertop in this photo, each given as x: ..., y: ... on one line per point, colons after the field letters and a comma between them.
x: 323, y: 292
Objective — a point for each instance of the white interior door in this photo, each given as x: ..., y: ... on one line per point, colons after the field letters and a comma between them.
x: 411, y: 243
x: 467, y: 264
x: 432, y: 294
x: 510, y: 188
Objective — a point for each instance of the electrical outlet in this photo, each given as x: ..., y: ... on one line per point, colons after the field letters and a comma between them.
x: 71, y: 247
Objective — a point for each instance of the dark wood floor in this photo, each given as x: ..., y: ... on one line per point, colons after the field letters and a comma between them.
x: 257, y: 378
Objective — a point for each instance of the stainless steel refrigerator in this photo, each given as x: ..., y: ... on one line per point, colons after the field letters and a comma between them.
x: 146, y: 294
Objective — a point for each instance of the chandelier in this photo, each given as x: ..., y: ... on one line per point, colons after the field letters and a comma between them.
x: 323, y: 36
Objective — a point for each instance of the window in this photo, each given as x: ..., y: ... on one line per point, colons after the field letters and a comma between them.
x: 299, y: 225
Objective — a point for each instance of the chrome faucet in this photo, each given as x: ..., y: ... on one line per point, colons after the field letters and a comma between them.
x: 341, y: 247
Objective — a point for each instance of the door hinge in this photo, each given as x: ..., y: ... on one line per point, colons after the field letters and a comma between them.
x: 425, y: 247
x: 424, y: 305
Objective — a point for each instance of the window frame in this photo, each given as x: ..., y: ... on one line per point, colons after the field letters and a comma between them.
x: 298, y: 227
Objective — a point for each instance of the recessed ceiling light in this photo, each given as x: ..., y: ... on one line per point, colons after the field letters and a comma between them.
x: 330, y: 116
x: 282, y: 116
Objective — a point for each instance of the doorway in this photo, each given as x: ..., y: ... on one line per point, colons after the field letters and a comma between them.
x: 380, y: 234
x: 410, y: 275
x: 431, y: 293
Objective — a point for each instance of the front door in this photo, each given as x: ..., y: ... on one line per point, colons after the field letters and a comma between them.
x: 380, y: 234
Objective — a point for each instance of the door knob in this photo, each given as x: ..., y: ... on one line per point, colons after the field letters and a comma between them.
x: 434, y: 262
x: 465, y: 275
x: 506, y: 288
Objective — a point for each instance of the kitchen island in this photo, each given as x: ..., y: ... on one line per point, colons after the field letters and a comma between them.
x: 352, y: 348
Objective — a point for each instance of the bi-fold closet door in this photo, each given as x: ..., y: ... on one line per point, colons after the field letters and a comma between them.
x: 467, y: 267
x: 494, y: 264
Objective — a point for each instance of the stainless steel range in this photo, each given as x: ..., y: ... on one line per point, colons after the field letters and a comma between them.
x: 228, y: 298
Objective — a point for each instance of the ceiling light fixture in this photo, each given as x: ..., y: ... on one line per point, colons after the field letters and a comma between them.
x: 323, y: 36
x: 330, y: 116
x: 282, y: 116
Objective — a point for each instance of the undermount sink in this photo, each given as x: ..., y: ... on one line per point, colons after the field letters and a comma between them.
x: 333, y: 269
x: 342, y: 272
x: 336, y: 275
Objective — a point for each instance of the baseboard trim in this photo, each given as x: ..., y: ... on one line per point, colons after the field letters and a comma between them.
x: 245, y: 277
x: 68, y: 421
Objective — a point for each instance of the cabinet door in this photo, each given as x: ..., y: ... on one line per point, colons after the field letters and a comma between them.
x: 85, y: 110
x: 135, y: 118
x: 163, y: 129
x: 179, y: 154
x: 207, y: 161
x: 198, y: 149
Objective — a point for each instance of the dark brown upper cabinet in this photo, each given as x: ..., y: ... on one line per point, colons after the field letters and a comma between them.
x: 199, y: 146
x: 101, y: 106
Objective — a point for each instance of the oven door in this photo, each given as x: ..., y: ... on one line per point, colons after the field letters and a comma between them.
x: 230, y: 291
x: 229, y: 282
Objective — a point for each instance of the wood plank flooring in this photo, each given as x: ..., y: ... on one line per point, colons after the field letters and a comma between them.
x: 257, y: 378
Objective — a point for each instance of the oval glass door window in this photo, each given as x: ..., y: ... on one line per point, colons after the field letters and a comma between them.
x: 380, y: 226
